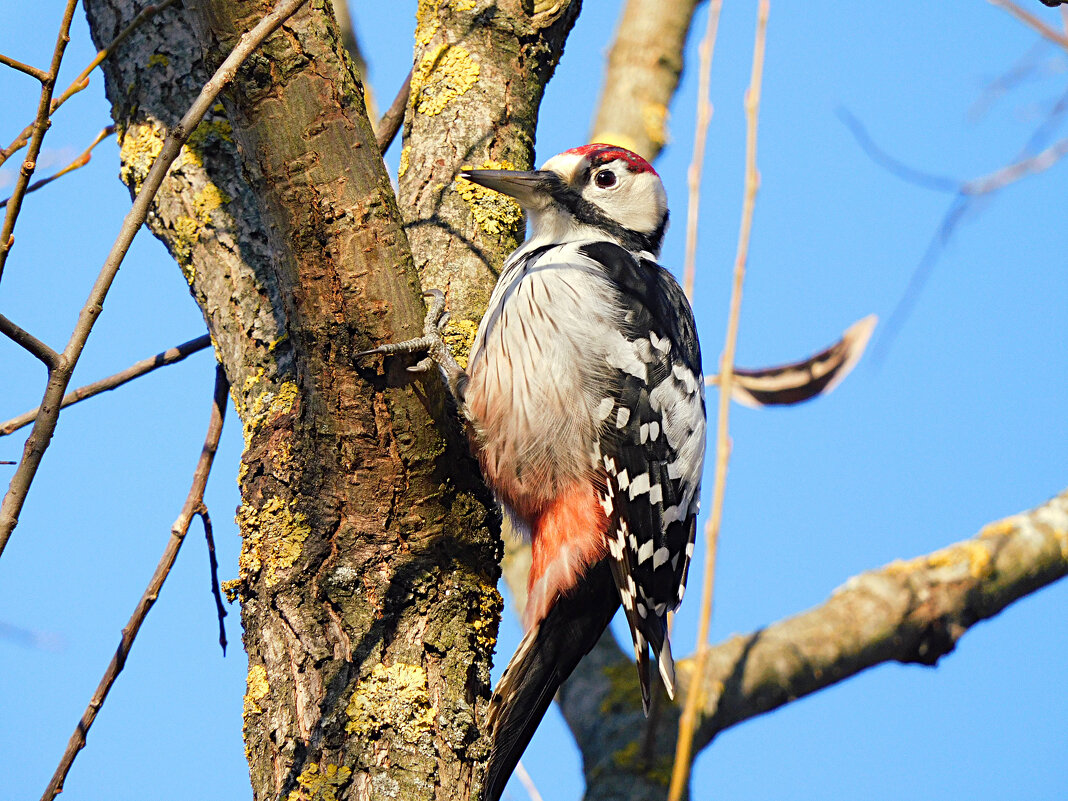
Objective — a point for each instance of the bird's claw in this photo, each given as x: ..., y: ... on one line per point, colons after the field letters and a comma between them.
x: 432, y: 343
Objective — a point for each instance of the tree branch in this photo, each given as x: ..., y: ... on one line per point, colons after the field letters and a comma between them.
x: 680, y: 774
x: 39, y: 128
x: 45, y: 425
x: 78, y: 163
x: 194, y: 504
x: 1029, y: 19
x: 911, y: 611
x: 82, y: 81
x: 644, y: 65
x: 28, y: 341
x: 32, y: 71
x: 136, y: 370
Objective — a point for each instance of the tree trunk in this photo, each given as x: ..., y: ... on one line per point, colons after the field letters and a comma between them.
x: 370, y: 547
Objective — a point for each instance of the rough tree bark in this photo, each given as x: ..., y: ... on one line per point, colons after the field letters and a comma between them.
x: 369, y: 563
x: 370, y: 547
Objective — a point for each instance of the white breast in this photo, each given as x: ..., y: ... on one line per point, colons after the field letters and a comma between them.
x: 538, y: 371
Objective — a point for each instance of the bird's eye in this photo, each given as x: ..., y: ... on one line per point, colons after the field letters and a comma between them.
x: 605, y: 179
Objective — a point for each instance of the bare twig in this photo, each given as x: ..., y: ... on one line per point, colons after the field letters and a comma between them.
x: 684, y: 749
x: 527, y: 782
x: 386, y: 130
x: 45, y: 424
x: 1029, y: 19
x: 29, y: 342
x: 82, y: 81
x: 213, y: 567
x: 38, y: 130
x: 700, y: 136
x: 34, y: 72
x: 136, y: 370
x: 1001, y: 178
x: 79, y: 162
x: 194, y: 503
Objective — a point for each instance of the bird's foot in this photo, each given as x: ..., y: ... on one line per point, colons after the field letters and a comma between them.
x: 432, y: 343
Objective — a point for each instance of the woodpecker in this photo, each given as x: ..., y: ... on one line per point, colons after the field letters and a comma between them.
x: 585, y: 398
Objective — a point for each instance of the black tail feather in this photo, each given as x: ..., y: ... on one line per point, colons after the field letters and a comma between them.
x: 545, y: 658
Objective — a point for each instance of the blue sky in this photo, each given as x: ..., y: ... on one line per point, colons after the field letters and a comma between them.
x: 962, y: 421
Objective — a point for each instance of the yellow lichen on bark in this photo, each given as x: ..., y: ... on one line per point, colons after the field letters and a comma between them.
x: 187, y: 229
x: 654, y: 119
x: 320, y: 785
x: 267, y: 405
x: 496, y: 214
x: 257, y: 689
x: 394, y: 697
x: 138, y: 147
x: 445, y: 73
x: 459, y: 336
x: 272, y: 538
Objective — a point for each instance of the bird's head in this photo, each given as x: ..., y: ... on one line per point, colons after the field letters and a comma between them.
x: 587, y: 193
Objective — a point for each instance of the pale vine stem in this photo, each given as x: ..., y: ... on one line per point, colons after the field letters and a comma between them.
x: 700, y: 137
x: 680, y: 773
x: 194, y: 505
x: 38, y: 129
x: 60, y: 374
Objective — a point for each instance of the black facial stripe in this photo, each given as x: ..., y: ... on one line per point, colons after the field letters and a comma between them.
x: 586, y: 212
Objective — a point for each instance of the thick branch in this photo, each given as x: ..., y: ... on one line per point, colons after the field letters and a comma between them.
x: 643, y: 71
x: 911, y: 612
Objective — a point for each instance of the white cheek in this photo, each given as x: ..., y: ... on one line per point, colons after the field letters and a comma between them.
x: 638, y: 203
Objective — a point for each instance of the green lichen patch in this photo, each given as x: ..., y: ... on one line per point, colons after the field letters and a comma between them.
x: 395, y: 697
x: 629, y: 760
x: 158, y: 60
x: 496, y: 214
x: 445, y: 73
x: 272, y: 539
x: 209, y: 130
x: 315, y: 784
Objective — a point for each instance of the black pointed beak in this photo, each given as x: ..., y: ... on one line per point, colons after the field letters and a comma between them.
x: 533, y: 188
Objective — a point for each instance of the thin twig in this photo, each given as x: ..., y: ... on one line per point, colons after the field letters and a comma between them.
x: 391, y: 121
x: 82, y: 81
x: 194, y: 502
x: 45, y: 425
x: 527, y: 782
x: 680, y: 773
x: 32, y: 71
x: 1011, y: 173
x: 1029, y: 19
x: 213, y: 567
x: 700, y: 136
x: 31, y: 343
x: 79, y: 162
x: 136, y: 370
x: 39, y: 128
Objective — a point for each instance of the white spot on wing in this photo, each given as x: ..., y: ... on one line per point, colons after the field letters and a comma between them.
x: 622, y: 416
